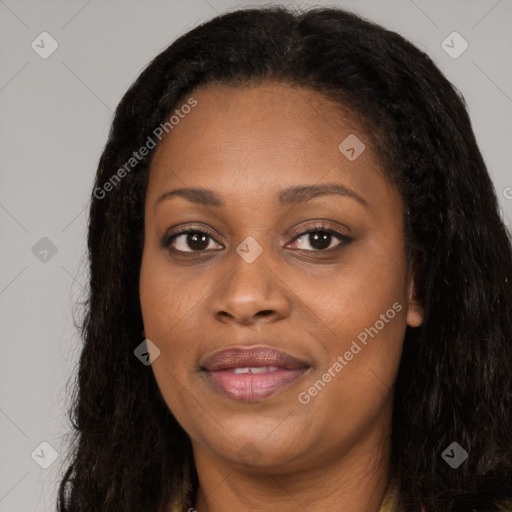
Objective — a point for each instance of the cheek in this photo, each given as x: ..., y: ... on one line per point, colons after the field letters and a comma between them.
x: 370, y: 279
x: 166, y: 302
x: 167, y: 311
x: 363, y: 319
x: 355, y: 378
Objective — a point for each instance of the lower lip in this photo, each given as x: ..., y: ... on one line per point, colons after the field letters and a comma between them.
x: 251, y: 387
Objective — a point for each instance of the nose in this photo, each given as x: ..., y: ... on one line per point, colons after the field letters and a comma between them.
x: 251, y: 293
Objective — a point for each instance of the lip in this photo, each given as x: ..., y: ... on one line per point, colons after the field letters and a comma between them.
x: 277, y: 370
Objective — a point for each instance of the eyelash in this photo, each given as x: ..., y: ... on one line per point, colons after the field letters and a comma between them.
x: 344, y: 239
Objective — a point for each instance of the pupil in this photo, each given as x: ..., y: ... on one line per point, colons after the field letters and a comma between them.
x: 320, y: 238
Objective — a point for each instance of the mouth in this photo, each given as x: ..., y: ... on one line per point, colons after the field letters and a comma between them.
x: 251, y: 374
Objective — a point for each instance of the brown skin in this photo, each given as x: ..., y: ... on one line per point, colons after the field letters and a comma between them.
x: 247, y: 144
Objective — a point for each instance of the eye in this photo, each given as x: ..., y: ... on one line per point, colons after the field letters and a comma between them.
x: 191, y: 239
x: 321, y: 238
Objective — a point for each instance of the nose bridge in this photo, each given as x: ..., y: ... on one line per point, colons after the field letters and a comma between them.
x: 250, y: 270
x: 250, y: 286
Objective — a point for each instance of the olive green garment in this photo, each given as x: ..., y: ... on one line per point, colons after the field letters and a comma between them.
x: 389, y: 503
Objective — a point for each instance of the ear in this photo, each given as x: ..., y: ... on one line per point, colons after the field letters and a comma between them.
x: 415, y: 311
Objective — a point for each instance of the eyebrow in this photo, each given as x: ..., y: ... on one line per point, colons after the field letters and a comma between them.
x: 286, y: 197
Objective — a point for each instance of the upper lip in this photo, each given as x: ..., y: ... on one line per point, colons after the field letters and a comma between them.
x: 255, y: 357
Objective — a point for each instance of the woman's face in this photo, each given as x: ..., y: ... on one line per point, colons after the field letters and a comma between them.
x: 336, y: 303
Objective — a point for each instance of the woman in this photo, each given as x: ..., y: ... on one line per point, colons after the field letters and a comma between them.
x: 301, y: 287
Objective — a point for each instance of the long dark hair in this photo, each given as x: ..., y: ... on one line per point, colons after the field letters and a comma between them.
x: 455, y: 378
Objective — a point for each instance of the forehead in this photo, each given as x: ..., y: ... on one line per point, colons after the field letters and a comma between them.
x: 272, y: 113
x: 253, y: 139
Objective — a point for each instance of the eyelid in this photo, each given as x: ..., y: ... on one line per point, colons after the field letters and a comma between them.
x: 321, y: 225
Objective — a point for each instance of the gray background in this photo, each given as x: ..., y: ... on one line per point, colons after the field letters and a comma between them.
x: 54, y: 119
